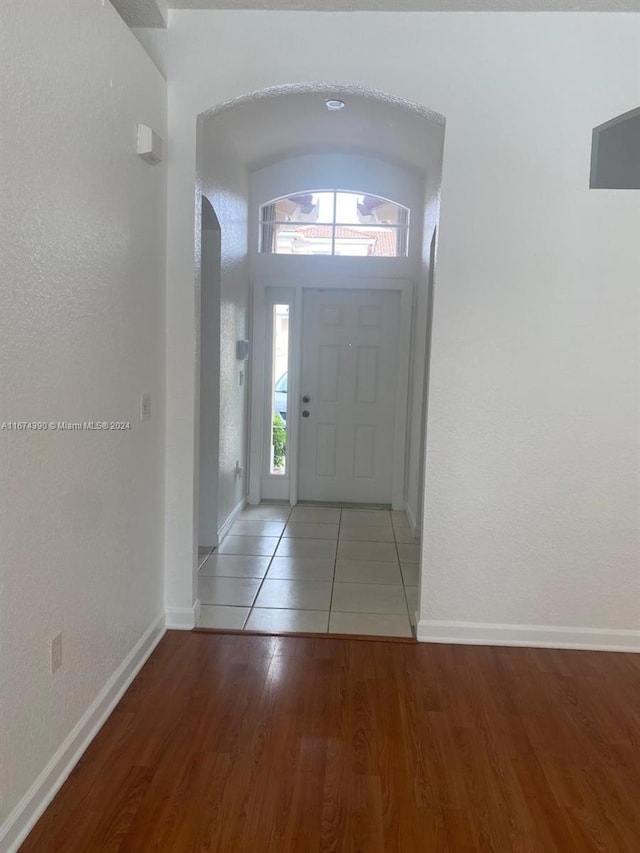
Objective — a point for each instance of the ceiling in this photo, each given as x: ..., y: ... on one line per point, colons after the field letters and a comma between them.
x: 416, y: 5
x: 289, y: 121
x: 153, y: 13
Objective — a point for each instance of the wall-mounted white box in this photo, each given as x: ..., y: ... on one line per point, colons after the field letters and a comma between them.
x: 149, y: 144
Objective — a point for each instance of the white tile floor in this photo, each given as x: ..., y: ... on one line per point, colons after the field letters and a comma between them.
x: 312, y: 569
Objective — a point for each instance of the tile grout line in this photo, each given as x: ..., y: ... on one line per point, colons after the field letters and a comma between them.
x: 264, y: 577
x: 401, y: 575
x: 404, y: 586
x: 213, y: 550
x: 239, y: 577
x: 335, y: 565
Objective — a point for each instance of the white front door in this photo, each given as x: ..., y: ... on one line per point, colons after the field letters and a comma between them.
x: 349, y: 375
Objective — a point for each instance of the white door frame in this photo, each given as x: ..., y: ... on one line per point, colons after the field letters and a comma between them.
x: 259, y: 358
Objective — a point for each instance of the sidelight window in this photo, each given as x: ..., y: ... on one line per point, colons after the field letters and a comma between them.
x: 279, y: 389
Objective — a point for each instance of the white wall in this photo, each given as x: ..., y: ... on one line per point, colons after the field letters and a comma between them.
x: 154, y: 41
x: 532, y: 492
x: 532, y: 478
x: 82, y: 241
x: 209, y: 435
x: 226, y: 184
x: 421, y: 337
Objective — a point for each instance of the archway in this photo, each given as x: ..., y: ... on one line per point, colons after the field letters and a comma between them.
x: 234, y: 141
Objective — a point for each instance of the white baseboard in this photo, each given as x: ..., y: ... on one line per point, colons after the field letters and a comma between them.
x: 415, y: 530
x: 182, y: 618
x: 224, y: 529
x: 535, y: 636
x: 30, y: 808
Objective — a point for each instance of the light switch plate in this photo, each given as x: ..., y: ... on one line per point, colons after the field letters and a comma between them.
x: 55, y: 653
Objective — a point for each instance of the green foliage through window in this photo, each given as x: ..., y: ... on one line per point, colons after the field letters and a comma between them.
x: 279, y: 441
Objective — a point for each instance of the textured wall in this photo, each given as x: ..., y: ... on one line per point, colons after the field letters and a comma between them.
x: 225, y: 184
x: 209, y: 439
x: 423, y: 305
x: 81, y: 336
x: 532, y: 479
x: 533, y: 475
x: 154, y: 41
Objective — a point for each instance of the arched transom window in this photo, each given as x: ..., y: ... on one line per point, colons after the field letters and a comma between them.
x: 331, y: 222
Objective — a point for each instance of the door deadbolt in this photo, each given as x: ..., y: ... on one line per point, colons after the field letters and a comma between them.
x: 306, y: 399
x: 305, y: 413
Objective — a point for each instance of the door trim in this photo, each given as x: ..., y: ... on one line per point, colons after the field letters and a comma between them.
x: 258, y: 357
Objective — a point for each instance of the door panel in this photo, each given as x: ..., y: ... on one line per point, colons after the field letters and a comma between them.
x: 349, y: 372
x: 328, y: 373
x: 326, y: 450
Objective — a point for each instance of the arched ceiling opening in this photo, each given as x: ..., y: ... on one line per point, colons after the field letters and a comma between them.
x: 154, y: 13
x: 415, y: 5
x: 290, y: 121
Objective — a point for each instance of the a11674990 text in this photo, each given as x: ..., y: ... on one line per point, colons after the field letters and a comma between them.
x: 64, y: 426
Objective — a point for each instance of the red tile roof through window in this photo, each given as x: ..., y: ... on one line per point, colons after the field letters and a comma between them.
x: 385, y: 241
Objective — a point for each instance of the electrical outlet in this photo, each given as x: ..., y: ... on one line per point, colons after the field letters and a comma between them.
x: 55, y: 653
x: 145, y: 407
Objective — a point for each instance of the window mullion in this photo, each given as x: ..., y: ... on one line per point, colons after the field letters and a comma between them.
x: 333, y: 226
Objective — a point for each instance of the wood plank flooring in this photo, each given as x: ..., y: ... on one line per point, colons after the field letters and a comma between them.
x: 296, y: 745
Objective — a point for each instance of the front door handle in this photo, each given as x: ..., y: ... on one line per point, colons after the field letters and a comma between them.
x: 305, y: 413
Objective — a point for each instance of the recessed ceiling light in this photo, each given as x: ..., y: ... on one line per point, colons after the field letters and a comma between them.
x: 334, y: 104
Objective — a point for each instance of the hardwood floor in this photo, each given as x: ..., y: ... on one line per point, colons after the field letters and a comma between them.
x: 291, y: 744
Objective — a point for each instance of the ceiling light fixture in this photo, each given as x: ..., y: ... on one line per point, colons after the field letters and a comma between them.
x: 334, y: 104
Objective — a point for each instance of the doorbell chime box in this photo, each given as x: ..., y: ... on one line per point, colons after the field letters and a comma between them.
x: 149, y: 144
